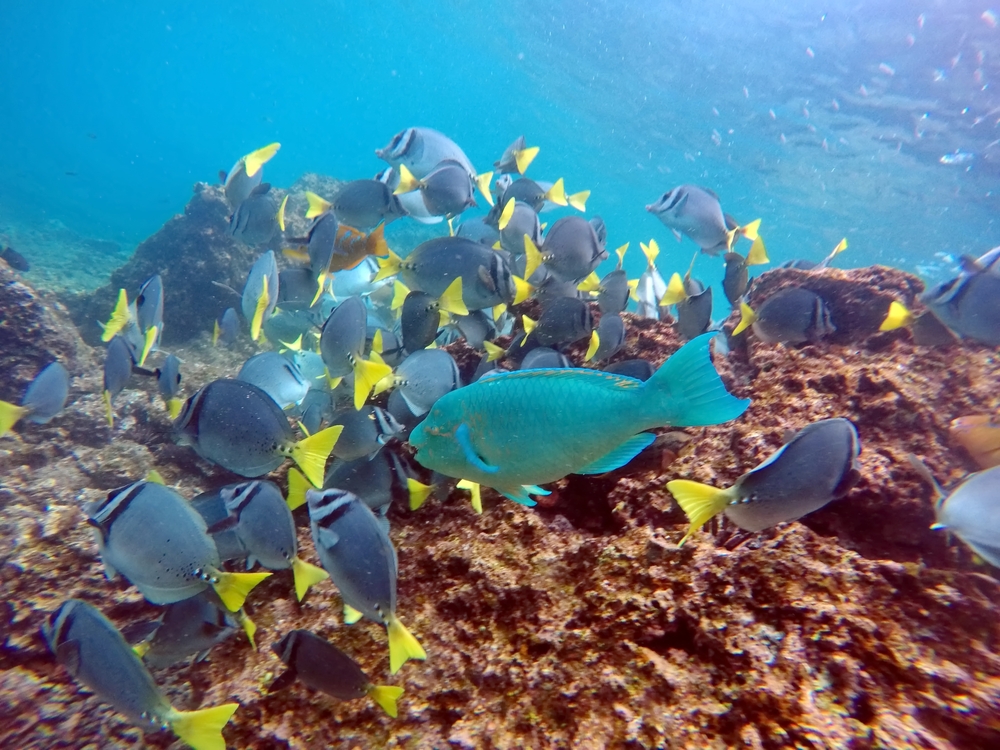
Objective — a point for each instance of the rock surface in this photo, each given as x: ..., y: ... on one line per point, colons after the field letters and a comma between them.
x: 579, y: 623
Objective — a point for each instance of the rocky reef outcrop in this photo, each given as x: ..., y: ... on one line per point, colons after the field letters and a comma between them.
x: 580, y: 623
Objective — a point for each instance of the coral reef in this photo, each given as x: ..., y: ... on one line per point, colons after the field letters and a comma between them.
x: 579, y: 623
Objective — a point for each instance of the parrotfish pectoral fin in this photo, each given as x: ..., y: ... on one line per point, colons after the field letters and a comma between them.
x: 312, y: 452
x: 402, y: 645
x: 10, y: 414
x: 518, y: 496
x: 464, y: 438
x: 202, y: 729
x: 352, y: 615
x: 306, y: 575
x: 687, y: 391
x: 620, y: 455
x: 700, y: 502
x: 386, y: 696
x: 233, y: 588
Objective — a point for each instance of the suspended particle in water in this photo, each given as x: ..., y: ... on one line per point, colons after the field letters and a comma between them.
x: 809, y: 51
x: 782, y: 139
x: 863, y: 90
x: 920, y: 21
x: 887, y: 69
x: 836, y: 105
x: 910, y: 40
x: 773, y: 116
x: 746, y: 93
x: 990, y: 18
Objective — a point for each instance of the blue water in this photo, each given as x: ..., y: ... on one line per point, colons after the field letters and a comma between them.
x: 826, y: 119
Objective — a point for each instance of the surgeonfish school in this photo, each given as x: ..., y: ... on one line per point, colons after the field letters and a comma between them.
x: 464, y: 449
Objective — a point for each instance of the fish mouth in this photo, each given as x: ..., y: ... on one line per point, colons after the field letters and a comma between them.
x: 418, y: 437
x: 650, y: 207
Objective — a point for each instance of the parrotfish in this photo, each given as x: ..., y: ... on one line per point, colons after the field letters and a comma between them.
x: 515, y: 430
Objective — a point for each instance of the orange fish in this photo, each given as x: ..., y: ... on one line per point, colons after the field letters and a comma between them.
x: 349, y: 248
x: 979, y: 434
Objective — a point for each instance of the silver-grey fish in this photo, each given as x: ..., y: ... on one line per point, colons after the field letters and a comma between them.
x: 640, y: 369
x: 819, y: 464
x: 247, y: 174
x: 696, y: 213
x: 378, y: 479
x: 612, y: 297
x: 258, y: 218
x: 792, y: 315
x: 969, y: 304
x: 366, y: 430
x: 227, y: 328
x: 478, y: 230
x: 563, y: 321
x: 736, y: 278
x: 277, y: 376
x: 155, y: 539
x: 297, y: 288
x: 94, y: 652
x: 188, y: 628
x: 611, y: 337
x: 425, y: 376
x: 149, y: 313
x: 516, y: 157
x: 320, y: 665
x: 447, y: 190
x: 364, y: 204
x: 523, y: 221
x: 260, y: 293
x: 356, y: 551
x: 419, y: 320
x: 119, y: 361
x: 477, y: 327
x: 46, y: 395
x: 971, y: 511
x: 342, y: 344
x: 694, y: 312
x: 421, y: 150
x: 544, y: 358
x: 572, y: 249
x: 168, y: 378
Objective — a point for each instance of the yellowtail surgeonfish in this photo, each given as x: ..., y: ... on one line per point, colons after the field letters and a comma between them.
x: 247, y: 174
x: 44, y: 398
x: 696, y: 213
x: 515, y: 430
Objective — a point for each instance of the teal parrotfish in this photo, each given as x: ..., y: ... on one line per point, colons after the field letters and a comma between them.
x: 513, y: 431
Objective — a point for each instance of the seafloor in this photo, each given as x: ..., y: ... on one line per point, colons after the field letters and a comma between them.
x: 579, y: 623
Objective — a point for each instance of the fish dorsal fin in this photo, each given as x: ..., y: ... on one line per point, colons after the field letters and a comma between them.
x: 68, y: 654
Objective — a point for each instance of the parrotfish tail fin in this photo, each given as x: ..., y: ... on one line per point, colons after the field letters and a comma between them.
x: 506, y: 214
x: 700, y: 502
x: 367, y: 374
x: 477, y: 494
x: 407, y: 182
x: 687, y: 391
x: 579, y: 200
x: 402, y: 645
x: 109, y: 413
x: 451, y: 301
x: 897, y: 317
x: 202, y: 729
x: 306, y: 575
x: 317, y: 205
x: 419, y: 492
x: 148, y: 342
x: 249, y: 627
x: 297, y: 487
x: 758, y: 253
x: 375, y: 243
x: 352, y: 615
x: 483, y: 183
x: 675, y: 291
x: 620, y: 252
x: 281, y: 213
x: 524, y: 157
x: 522, y: 290
x: 312, y: 452
x: 747, y: 318
x: 9, y: 415
x: 233, y: 588
x: 258, y: 314
x: 119, y: 317
x: 388, y: 266
x: 534, y: 257
x: 386, y: 696
x: 595, y: 344
x: 215, y: 334
x: 253, y: 161
x: 557, y: 193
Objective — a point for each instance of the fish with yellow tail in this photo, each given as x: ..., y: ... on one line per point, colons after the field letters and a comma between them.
x: 695, y: 212
x: 513, y: 431
x: 342, y: 346
x: 260, y: 293
x: 246, y: 173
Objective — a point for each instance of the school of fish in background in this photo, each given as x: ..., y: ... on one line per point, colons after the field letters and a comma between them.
x: 347, y: 318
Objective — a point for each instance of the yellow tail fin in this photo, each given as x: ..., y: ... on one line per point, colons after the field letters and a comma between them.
x: 498, y: 310
x: 399, y: 292
x: 388, y: 266
x: 306, y: 575
x: 297, y: 487
x: 650, y: 251
x: 557, y: 193
x: 141, y: 649
x: 524, y: 157
x: 109, y: 413
x: 700, y: 502
x: 312, y: 452
x: 897, y: 317
x: 296, y: 253
x: 534, y: 257
x: 202, y: 729
x: 483, y: 183
x: 174, y: 407
x: 477, y: 494
x: 352, y: 615
x: 249, y: 627
x: 620, y: 252
x: 386, y: 696
x: 10, y: 414
x: 215, y: 334
x: 506, y: 214
x: 366, y: 375
x: 750, y: 230
x: 407, y: 182
x: 317, y: 205
x: 529, y: 326
x: 233, y: 588
x: 675, y: 291
x: 579, y: 200
x: 590, y: 284
x: 841, y: 247
x: 522, y: 290
x: 402, y: 645
x: 758, y: 253
x: 258, y: 314
x: 451, y: 301
x: 281, y: 212
x: 747, y: 318
x: 119, y: 317
x: 155, y: 477
x: 595, y: 343
x: 253, y: 161
x: 493, y: 351
x: 419, y: 492
x: 147, y: 344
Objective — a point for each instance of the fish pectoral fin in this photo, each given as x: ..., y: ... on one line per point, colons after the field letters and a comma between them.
x: 700, y: 502
x: 226, y: 524
x: 68, y: 654
x: 402, y: 645
x: 306, y: 575
x: 386, y: 697
x: 851, y: 477
x: 464, y: 438
x: 328, y: 537
x: 312, y: 452
x: 519, y: 495
x: 352, y: 615
x: 202, y: 729
x: 282, y: 681
x: 233, y: 588
x: 620, y: 455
